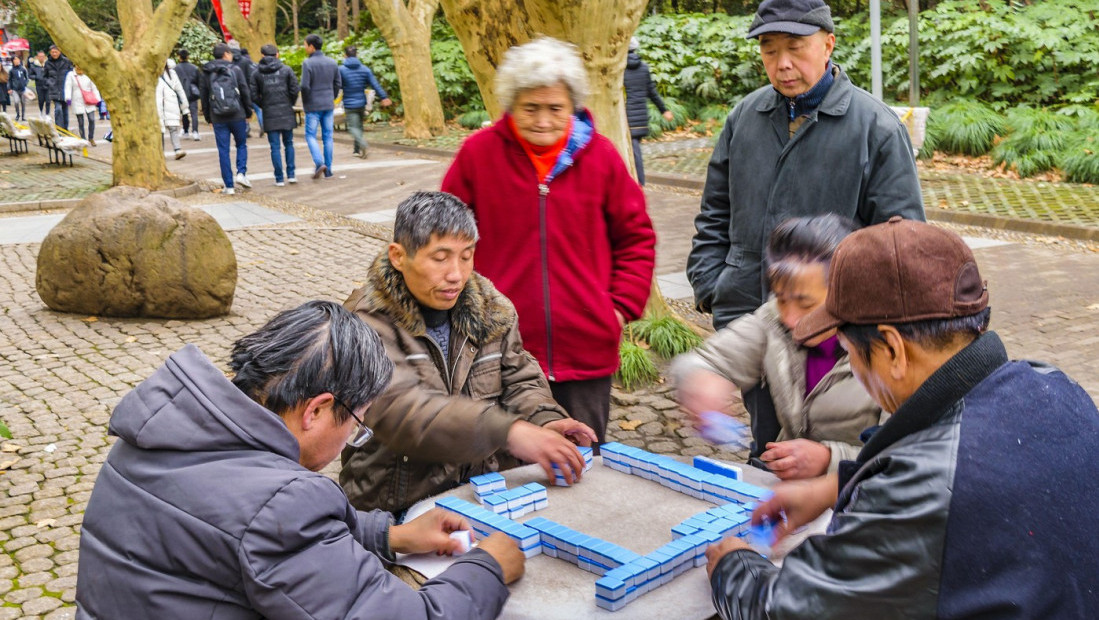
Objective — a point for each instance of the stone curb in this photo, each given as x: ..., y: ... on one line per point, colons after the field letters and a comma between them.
x: 996, y: 222
x: 68, y: 203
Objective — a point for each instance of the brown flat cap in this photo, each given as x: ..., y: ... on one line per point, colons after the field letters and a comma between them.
x: 898, y: 272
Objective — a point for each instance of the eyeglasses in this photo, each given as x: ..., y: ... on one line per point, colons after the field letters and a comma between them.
x: 362, y: 433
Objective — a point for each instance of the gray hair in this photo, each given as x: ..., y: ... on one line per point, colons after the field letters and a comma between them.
x: 424, y: 214
x: 544, y: 61
x: 315, y: 348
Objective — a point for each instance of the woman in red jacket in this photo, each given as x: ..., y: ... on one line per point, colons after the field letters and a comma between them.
x: 564, y: 231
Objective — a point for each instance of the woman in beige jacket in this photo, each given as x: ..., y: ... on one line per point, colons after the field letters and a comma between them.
x: 820, y: 405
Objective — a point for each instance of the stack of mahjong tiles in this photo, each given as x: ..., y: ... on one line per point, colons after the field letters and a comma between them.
x: 559, y: 479
x: 486, y: 523
x: 517, y: 502
x: 716, y: 488
x: 589, y: 553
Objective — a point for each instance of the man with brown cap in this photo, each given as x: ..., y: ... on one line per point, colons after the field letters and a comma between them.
x: 976, y: 499
x: 808, y: 143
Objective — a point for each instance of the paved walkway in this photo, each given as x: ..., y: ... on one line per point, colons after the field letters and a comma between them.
x: 61, y: 374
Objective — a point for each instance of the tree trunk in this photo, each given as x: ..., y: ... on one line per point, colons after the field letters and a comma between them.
x: 601, y: 29
x: 341, y: 19
x: 295, y: 7
x: 356, y: 8
x: 255, y: 31
x: 407, y: 30
x: 125, y: 78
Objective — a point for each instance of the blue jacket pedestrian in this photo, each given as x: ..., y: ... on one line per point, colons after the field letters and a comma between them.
x: 356, y: 76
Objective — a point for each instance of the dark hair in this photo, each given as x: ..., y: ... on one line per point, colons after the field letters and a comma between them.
x: 184, y: 55
x: 932, y: 334
x: 805, y: 240
x: 431, y: 213
x: 220, y: 49
x: 350, y: 51
x: 314, y: 40
x: 315, y: 348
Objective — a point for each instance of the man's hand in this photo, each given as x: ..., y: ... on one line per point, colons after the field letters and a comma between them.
x: 385, y: 103
x: 715, y: 552
x: 797, y: 459
x: 535, y: 444
x: 668, y: 115
x: 428, y: 532
x: 574, y: 430
x: 621, y: 319
x: 796, y: 503
x: 507, y: 554
x: 702, y: 390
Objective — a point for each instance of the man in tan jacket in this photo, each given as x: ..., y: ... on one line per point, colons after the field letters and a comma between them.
x: 466, y: 398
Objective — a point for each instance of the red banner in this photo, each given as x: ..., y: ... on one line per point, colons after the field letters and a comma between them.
x: 245, y: 10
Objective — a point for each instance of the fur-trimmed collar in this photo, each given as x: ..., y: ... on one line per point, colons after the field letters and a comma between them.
x: 482, y: 313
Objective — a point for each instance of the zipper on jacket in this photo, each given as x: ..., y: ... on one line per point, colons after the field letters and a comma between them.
x: 543, y: 191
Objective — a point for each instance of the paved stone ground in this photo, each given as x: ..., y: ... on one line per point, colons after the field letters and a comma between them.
x: 32, y: 178
x: 60, y: 375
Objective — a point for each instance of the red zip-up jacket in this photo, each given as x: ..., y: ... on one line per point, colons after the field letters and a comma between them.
x: 568, y: 253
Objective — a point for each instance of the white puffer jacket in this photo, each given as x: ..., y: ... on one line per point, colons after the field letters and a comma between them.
x: 171, y: 99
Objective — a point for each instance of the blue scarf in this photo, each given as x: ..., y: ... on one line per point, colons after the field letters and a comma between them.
x: 805, y: 103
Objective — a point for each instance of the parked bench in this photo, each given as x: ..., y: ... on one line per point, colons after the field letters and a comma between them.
x: 60, y: 148
x: 17, y: 138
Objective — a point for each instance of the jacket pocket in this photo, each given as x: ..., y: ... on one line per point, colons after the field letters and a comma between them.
x: 485, y: 380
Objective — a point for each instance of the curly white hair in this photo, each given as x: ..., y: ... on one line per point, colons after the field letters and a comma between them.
x: 544, y: 61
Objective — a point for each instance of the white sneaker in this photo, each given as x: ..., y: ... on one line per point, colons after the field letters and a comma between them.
x: 228, y: 191
x: 243, y: 181
x: 291, y: 180
x: 280, y: 184
x: 194, y: 136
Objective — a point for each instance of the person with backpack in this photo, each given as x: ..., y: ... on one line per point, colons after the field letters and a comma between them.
x: 275, y: 89
x: 320, y: 83
x: 244, y: 61
x: 171, y: 101
x: 227, y: 106
x: 188, y: 78
x: 17, y: 86
x: 356, y: 78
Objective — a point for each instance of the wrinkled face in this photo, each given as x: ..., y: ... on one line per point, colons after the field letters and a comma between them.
x: 438, y: 272
x: 542, y: 114
x: 55, y: 53
x: 801, y: 292
x: 795, y: 64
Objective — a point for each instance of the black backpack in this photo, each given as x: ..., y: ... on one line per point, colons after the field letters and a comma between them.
x: 224, y: 96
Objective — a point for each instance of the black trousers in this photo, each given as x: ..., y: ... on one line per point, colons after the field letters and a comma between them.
x: 761, y: 412
x: 587, y: 401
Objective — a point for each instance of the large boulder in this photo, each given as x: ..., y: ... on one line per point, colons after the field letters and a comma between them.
x: 126, y: 252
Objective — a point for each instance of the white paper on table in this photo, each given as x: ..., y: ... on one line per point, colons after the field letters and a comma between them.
x: 427, y: 564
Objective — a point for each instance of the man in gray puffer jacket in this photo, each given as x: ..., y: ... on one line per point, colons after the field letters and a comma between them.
x: 211, y: 504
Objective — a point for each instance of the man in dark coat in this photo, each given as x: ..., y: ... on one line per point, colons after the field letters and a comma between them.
x: 242, y: 59
x: 976, y: 499
x: 36, y: 67
x: 230, y: 123
x: 189, y: 78
x: 56, y: 70
x: 639, y: 89
x: 274, y: 89
x: 212, y: 504
x: 808, y: 143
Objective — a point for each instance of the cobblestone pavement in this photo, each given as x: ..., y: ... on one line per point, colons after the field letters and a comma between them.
x: 60, y: 375
x: 31, y: 177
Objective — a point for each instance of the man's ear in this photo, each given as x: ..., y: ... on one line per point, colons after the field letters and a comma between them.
x: 896, y: 350
x: 397, y: 256
x: 314, y: 408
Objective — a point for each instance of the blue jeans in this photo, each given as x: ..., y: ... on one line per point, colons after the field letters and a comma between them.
x: 285, y: 136
x: 61, y: 114
x: 259, y: 115
x: 239, y: 130
x: 324, y: 119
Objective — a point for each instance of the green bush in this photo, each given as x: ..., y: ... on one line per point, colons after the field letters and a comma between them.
x: 667, y: 336
x: 635, y: 367
x: 658, y: 125
x: 965, y: 127
x: 474, y: 119
x: 1034, y: 139
x: 199, y: 40
x: 1080, y: 160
